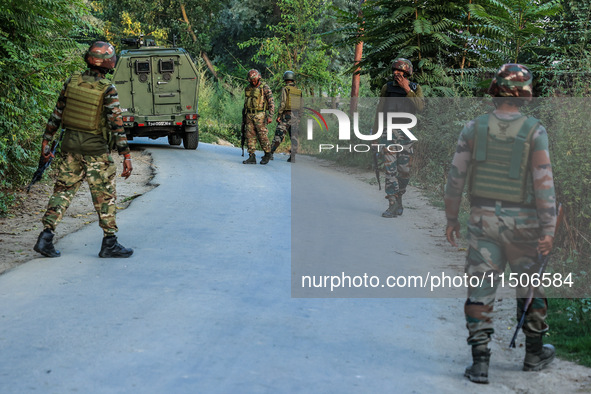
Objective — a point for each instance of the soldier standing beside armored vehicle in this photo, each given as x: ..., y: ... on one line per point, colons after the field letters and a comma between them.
x: 289, y: 115
x: 399, y: 95
x: 513, y: 213
x: 88, y: 109
x: 258, y: 99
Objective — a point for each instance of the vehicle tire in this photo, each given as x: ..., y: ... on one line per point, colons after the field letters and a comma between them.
x: 174, y: 139
x: 191, y: 138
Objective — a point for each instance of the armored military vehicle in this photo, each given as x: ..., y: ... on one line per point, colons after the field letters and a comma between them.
x: 158, y: 90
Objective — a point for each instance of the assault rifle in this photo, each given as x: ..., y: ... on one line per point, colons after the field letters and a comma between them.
x: 243, y: 130
x: 542, y: 261
x: 44, y: 165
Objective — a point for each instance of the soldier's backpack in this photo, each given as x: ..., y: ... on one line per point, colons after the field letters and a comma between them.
x: 294, y: 98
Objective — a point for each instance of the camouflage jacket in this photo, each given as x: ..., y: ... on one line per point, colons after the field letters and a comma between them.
x: 541, y: 168
x: 111, y: 109
x: 268, y: 95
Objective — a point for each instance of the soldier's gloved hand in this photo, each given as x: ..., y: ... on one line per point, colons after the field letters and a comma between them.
x: 46, y: 151
x: 127, y: 167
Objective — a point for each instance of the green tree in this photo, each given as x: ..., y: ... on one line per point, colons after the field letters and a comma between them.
x: 38, y: 50
x: 510, y: 30
x: 296, y: 44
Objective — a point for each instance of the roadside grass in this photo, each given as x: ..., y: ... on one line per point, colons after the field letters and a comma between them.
x: 570, y: 328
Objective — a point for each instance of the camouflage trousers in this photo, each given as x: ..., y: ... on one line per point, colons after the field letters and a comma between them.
x: 256, y: 128
x: 498, y: 236
x: 99, y: 172
x: 397, y: 170
x: 288, y: 124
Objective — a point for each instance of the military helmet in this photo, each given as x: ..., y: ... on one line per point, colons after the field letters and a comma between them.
x: 101, y: 54
x: 402, y: 64
x: 289, y: 76
x: 512, y: 80
x: 253, y: 75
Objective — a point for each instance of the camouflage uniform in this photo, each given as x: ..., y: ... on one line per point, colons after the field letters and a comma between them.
x: 256, y: 121
x: 86, y: 156
x: 289, y: 121
x: 397, y: 164
x: 500, y: 231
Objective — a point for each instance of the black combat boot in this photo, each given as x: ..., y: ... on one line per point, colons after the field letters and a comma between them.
x: 266, y: 158
x: 252, y: 159
x: 537, y: 355
x: 478, y: 372
x: 112, y: 248
x: 392, y: 210
x: 400, y: 207
x: 44, y: 244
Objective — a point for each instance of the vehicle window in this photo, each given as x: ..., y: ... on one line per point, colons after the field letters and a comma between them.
x: 142, y: 66
x: 166, y: 66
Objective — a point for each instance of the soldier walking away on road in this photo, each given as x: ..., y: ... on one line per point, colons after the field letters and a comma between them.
x: 513, y: 213
x: 289, y: 115
x: 88, y: 108
x: 258, y: 99
x: 399, y: 95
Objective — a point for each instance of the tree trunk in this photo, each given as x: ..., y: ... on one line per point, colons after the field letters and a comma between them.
x: 203, y: 53
x: 358, y: 56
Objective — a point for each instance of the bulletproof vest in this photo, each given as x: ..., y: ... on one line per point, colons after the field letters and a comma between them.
x: 255, y: 98
x: 395, y: 102
x: 83, y: 110
x: 500, y: 167
x: 294, y: 98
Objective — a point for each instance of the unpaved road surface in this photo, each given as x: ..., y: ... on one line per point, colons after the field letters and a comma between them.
x: 205, y: 303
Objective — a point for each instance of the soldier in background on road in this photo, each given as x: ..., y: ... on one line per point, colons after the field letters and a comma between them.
x: 513, y: 213
x: 258, y: 99
x: 88, y: 108
x: 289, y: 115
x: 398, y: 164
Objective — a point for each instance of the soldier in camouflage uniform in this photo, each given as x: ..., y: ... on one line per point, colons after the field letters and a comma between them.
x: 258, y: 99
x: 513, y: 213
x: 289, y: 115
x: 399, y: 95
x: 88, y: 108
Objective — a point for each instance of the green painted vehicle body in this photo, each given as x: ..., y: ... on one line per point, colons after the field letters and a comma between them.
x: 159, y: 89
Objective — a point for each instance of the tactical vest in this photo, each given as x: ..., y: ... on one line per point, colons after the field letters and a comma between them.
x: 255, y: 98
x: 83, y: 111
x: 500, y: 167
x: 395, y: 104
x: 294, y: 98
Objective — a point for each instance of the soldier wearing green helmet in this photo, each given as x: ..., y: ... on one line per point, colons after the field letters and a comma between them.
x: 88, y: 109
x: 512, y: 216
x: 257, y: 113
x: 398, y: 95
x: 288, y: 117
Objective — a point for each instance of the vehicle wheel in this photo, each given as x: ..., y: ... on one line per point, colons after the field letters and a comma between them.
x: 191, y: 138
x: 174, y: 139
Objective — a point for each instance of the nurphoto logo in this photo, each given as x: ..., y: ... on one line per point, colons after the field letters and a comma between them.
x: 344, y: 134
